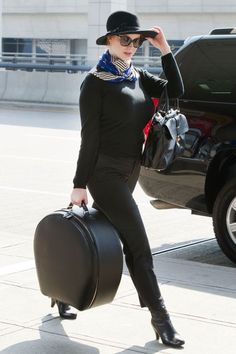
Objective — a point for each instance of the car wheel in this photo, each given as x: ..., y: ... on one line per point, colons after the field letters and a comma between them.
x: 224, y: 219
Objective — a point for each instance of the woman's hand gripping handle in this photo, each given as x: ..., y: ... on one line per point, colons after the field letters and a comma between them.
x: 78, y: 196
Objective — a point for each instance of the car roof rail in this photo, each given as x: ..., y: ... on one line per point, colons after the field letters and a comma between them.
x: 231, y: 30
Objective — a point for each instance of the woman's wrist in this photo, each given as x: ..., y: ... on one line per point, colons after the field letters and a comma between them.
x: 165, y: 50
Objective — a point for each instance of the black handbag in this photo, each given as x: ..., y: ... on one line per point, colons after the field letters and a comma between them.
x: 166, y: 137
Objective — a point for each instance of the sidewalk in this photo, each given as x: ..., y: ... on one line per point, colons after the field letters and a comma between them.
x: 200, y: 297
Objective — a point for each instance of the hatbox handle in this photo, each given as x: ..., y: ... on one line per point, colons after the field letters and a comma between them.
x: 83, y: 205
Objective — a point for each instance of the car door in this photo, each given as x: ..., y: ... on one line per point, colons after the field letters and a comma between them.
x: 208, y: 70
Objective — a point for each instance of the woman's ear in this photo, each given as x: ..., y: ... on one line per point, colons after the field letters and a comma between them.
x: 108, y: 40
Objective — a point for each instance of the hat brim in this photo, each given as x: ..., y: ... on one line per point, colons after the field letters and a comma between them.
x: 146, y: 33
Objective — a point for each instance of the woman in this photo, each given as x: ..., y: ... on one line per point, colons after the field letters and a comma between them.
x: 115, y: 105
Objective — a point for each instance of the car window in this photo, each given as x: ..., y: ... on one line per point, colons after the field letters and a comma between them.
x: 208, y: 70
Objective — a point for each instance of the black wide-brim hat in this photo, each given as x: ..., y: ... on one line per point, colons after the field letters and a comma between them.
x: 122, y: 22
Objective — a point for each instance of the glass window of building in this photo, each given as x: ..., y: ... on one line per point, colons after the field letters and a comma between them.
x: 174, y: 46
x: 53, y: 46
x: 78, y: 51
x: 17, y: 45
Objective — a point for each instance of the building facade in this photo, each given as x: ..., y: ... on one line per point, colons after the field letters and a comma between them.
x: 70, y: 27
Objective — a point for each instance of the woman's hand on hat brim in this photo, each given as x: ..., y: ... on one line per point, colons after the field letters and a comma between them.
x: 159, y: 41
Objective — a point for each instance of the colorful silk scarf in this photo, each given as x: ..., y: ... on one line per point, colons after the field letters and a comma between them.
x: 114, y: 69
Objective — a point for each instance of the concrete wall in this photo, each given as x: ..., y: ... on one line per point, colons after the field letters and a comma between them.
x: 40, y: 25
x: 185, y: 6
x: 183, y: 25
x: 40, y: 87
x: 45, y: 6
x: 75, y: 26
x: 87, y: 18
x: 183, y: 18
x: 148, y: 6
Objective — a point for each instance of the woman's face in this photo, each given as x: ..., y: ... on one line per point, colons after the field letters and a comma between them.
x: 122, y: 52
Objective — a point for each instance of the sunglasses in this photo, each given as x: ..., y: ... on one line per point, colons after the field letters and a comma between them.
x: 126, y: 40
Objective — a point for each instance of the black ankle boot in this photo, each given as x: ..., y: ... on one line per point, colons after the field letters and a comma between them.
x: 63, y: 308
x: 163, y: 327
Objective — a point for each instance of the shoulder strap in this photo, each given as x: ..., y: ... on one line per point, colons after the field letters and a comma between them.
x: 167, y: 101
x: 166, y: 104
x: 164, y: 101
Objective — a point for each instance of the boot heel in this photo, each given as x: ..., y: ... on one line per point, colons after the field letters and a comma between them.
x: 63, y: 310
x: 164, y: 328
x: 156, y: 333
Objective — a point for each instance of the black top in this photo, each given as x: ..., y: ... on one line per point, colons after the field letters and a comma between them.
x: 114, y: 114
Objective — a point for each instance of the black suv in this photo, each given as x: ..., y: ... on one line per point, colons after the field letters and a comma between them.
x: 204, y: 178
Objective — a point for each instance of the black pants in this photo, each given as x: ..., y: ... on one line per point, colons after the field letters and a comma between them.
x: 111, y: 186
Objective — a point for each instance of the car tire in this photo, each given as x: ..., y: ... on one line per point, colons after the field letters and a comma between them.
x: 224, y: 219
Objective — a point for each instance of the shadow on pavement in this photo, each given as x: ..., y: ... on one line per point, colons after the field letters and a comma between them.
x: 207, y: 252
x: 51, y: 342
x: 151, y: 347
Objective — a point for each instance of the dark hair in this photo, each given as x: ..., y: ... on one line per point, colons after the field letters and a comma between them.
x: 107, y: 39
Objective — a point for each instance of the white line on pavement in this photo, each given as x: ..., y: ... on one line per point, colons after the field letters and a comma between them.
x: 52, y: 136
x: 34, y: 158
x: 33, y: 191
x: 17, y: 267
